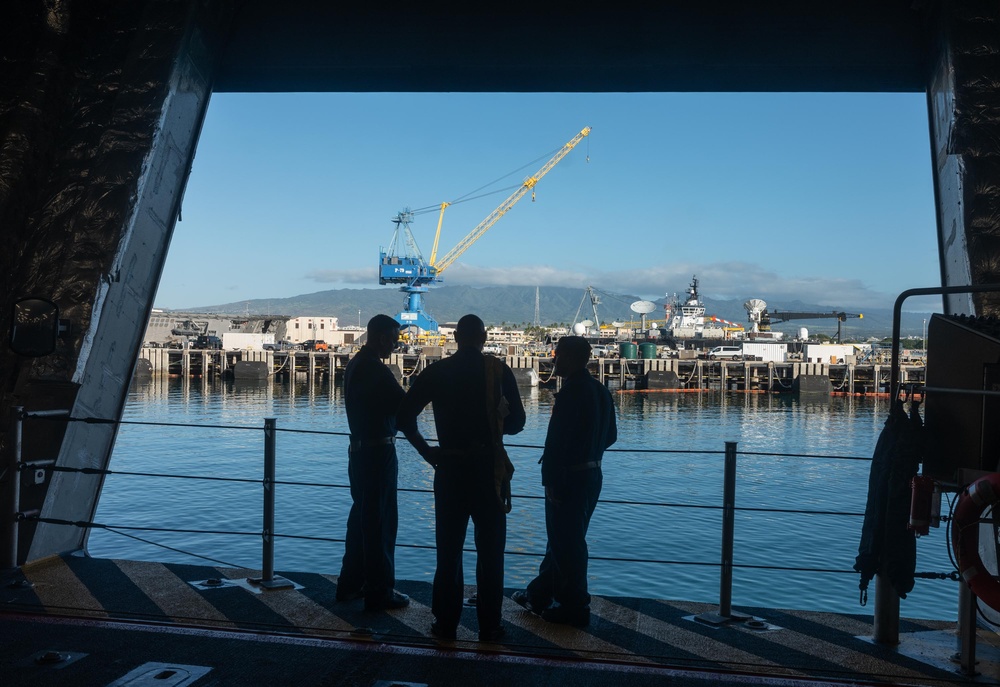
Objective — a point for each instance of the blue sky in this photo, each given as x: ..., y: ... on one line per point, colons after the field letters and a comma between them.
x: 826, y: 198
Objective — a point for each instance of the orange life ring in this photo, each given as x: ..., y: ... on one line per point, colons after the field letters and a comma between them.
x: 976, y: 498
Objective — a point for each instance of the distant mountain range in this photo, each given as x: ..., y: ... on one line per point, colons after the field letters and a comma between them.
x: 556, y: 305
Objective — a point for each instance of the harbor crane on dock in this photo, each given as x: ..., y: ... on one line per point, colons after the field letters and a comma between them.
x: 762, y: 318
x: 402, y: 263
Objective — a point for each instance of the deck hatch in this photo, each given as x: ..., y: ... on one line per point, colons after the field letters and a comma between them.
x: 161, y: 675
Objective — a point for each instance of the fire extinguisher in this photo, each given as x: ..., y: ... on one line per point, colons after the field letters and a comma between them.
x: 922, y: 505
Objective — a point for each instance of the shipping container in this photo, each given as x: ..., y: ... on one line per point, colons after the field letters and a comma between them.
x: 244, y: 341
x: 767, y: 352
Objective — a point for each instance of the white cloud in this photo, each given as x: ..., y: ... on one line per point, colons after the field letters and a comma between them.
x: 717, y: 280
x: 349, y: 277
x: 522, y: 275
x: 724, y: 281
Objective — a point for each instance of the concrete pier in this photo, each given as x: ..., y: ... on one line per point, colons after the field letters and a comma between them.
x: 282, y: 365
x: 620, y: 373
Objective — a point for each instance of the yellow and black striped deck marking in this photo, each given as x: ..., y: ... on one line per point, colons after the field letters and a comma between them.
x: 626, y: 630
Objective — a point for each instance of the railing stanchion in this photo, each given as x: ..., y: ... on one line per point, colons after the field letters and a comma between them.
x: 725, y: 613
x: 728, y: 530
x: 885, y: 620
x: 967, y: 622
x: 12, y: 490
x: 267, y: 578
x: 267, y: 565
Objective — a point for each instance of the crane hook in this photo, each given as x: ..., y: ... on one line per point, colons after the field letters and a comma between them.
x: 532, y: 195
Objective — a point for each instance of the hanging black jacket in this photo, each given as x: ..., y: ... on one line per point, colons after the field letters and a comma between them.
x: 887, y: 545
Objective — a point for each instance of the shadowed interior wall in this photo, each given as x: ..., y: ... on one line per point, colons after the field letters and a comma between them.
x: 964, y: 105
x: 102, y: 105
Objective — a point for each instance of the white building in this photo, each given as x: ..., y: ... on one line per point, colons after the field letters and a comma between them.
x: 505, y: 336
x: 301, y: 329
x: 351, y: 335
x: 829, y: 353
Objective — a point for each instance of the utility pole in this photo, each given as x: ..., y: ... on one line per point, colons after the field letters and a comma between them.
x: 538, y: 318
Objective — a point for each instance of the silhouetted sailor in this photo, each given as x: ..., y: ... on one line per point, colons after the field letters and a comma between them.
x: 475, y: 401
x: 372, y: 396
x: 582, y: 426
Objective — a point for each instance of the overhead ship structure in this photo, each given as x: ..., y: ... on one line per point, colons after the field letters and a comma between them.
x: 103, y: 104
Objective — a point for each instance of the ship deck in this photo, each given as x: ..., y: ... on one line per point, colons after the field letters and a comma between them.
x: 75, y: 620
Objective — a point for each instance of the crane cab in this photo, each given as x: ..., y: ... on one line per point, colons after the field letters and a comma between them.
x: 398, y: 269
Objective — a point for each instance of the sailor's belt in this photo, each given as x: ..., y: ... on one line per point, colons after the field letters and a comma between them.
x: 469, y: 448
x: 358, y: 444
x: 589, y: 465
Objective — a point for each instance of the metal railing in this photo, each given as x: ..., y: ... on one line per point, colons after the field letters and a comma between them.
x: 268, y: 482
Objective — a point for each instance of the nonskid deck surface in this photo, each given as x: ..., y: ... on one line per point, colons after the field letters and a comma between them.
x: 107, y: 619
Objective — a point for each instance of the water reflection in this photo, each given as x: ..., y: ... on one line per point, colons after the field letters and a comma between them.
x: 693, y: 426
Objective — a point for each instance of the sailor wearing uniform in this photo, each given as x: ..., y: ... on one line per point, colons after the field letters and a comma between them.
x: 372, y: 396
x: 582, y: 426
x: 465, y: 477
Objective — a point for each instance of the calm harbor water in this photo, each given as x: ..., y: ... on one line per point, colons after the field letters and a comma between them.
x: 657, y: 532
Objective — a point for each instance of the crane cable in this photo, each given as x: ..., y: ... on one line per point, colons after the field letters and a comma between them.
x: 437, y: 208
x: 468, y: 196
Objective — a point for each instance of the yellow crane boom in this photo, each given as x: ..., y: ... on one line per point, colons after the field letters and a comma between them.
x: 490, y: 220
x: 437, y: 235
